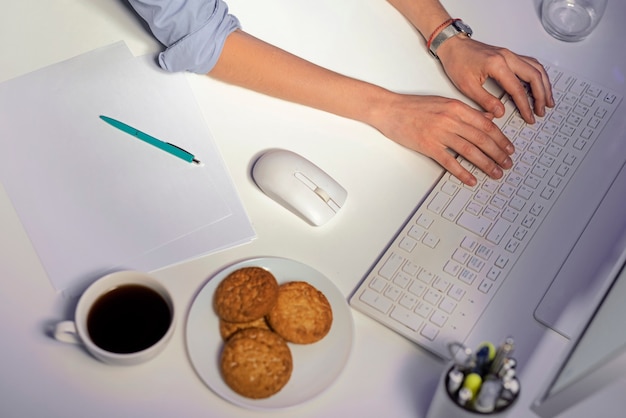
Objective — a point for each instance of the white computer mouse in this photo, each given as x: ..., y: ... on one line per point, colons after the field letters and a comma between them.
x: 299, y: 185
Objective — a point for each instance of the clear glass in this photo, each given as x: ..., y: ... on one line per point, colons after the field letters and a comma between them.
x: 571, y: 20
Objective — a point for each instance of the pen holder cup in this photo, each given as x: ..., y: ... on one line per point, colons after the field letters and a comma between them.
x: 445, y: 404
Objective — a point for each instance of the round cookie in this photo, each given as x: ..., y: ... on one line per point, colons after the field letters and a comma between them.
x: 256, y: 363
x: 302, y: 314
x: 245, y: 295
x: 227, y: 329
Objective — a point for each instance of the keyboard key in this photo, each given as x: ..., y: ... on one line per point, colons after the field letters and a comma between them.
x: 378, y: 284
x: 433, y: 297
x: 494, y: 273
x: 467, y: 276
x: 431, y: 240
x: 406, y: 318
x: 594, y: 91
x: 579, y: 87
x: 429, y: 332
x: 416, y: 232
x: 469, y: 243
x: 457, y: 204
x: 501, y: 261
x: 512, y: 246
x: 438, y: 318
x: 517, y: 203
x: 536, y: 209
x: 424, y: 310
x: 441, y: 284
x: 439, y: 201
x: 449, y: 188
x: 498, y: 231
x: 426, y: 276
x: 456, y: 292
x: 610, y: 98
x: 460, y: 255
x: 484, y: 252
x: 509, y: 214
x: 476, y: 224
x: 447, y: 305
x: 564, y: 82
x: 410, y: 268
x: 491, y: 213
x: 392, y: 265
x: 425, y: 221
x: 554, y: 150
x: 452, y: 268
x: 376, y: 301
x: 392, y: 292
x: 485, y: 286
x: 402, y: 280
x: 407, y: 244
x: 476, y: 264
x: 417, y: 288
x: 408, y: 301
x: 520, y: 233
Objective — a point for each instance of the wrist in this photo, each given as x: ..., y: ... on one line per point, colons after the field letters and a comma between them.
x: 375, y: 107
x: 450, y: 29
x: 453, y: 43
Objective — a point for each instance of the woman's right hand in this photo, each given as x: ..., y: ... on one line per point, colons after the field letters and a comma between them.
x: 435, y: 125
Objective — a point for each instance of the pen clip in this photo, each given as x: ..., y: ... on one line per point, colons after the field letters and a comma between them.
x: 194, y: 160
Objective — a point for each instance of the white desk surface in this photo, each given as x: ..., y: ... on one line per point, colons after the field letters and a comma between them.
x: 386, y: 375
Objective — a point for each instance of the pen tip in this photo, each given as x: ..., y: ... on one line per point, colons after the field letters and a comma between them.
x: 196, y: 161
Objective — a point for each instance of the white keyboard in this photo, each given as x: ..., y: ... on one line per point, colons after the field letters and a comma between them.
x: 440, y: 272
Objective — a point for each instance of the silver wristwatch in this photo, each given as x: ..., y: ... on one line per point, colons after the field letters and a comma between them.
x: 454, y: 28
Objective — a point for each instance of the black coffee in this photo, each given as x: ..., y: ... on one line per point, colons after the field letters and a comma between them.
x: 128, y: 319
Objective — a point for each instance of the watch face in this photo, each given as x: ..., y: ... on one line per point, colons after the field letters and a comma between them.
x: 463, y: 27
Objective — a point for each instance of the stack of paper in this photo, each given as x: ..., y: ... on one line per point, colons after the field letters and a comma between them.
x: 94, y: 199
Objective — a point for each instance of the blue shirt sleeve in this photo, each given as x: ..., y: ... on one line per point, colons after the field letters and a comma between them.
x: 194, y: 31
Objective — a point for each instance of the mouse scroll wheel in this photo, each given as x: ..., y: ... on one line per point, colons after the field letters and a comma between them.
x: 317, y: 190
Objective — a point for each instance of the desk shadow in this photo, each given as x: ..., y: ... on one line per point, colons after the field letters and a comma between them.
x: 420, y: 380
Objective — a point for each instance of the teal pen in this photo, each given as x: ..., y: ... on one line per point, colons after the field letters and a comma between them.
x: 165, y: 146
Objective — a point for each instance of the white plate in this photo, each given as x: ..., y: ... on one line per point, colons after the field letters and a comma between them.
x: 315, y: 366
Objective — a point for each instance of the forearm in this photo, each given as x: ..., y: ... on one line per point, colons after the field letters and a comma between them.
x: 256, y: 65
x: 425, y: 15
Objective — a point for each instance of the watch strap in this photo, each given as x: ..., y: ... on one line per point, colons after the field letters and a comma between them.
x: 449, y: 30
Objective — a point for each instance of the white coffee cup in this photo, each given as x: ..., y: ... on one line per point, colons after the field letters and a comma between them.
x: 123, y: 318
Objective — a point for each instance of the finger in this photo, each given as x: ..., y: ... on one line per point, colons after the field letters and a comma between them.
x: 492, y: 165
x: 531, y: 71
x: 534, y: 76
x: 512, y: 85
x: 483, y: 144
x: 545, y: 83
x: 485, y: 134
x: 452, y: 165
x: 491, y: 104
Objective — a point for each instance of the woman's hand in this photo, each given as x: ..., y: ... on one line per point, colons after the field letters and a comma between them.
x: 469, y: 63
x: 435, y: 125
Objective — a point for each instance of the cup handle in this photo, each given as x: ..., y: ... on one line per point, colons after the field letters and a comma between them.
x: 65, y: 331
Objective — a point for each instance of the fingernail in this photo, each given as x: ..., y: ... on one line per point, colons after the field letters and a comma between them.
x: 510, y: 149
x: 508, y: 163
x: 496, y: 173
x: 541, y: 111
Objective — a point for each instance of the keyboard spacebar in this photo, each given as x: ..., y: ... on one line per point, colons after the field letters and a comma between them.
x: 476, y: 224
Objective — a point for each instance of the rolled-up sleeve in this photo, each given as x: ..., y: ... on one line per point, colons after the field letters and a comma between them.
x: 194, y: 31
